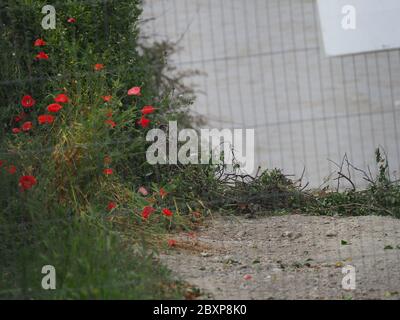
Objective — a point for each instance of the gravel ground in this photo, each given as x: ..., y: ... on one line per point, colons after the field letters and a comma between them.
x: 290, y: 257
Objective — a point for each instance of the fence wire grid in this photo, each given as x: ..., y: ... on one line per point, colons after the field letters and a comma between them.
x: 265, y: 68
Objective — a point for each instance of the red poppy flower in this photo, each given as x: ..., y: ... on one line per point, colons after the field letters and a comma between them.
x: 27, y: 182
x: 28, y: 101
x: 247, y: 277
x: 111, y: 205
x: 42, y: 119
x: 135, y: 91
x: 39, y: 43
x: 54, y: 107
x: 167, y: 212
x: 147, y: 211
x: 16, y: 130
x: 144, y: 122
x: 148, y: 109
x: 98, y: 66
x: 108, y: 171
x: 26, y: 126
x: 61, y: 98
x: 1, y: 163
x: 71, y: 20
x: 171, y: 242
x: 46, y: 118
x: 42, y: 56
x: 163, y: 193
x: 106, y: 98
x: 12, y: 169
x: 109, y: 114
x: 110, y: 122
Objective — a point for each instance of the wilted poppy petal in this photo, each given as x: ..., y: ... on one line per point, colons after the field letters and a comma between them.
x: 111, y: 123
x: 247, y: 277
x: 163, y: 193
x: 107, y: 160
x: 143, y: 191
x: 171, y: 242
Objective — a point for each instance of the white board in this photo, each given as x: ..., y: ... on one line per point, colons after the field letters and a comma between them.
x: 377, y: 26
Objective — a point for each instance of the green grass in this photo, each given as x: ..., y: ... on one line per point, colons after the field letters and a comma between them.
x: 62, y: 221
x: 91, y: 262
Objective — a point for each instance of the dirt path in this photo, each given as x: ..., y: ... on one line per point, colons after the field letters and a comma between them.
x: 290, y: 257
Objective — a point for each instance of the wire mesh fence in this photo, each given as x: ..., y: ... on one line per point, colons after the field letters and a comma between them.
x: 266, y: 69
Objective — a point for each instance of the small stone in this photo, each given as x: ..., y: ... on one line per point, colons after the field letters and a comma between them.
x: 241, y: 234
x: 297, y: 235
x: 230, y: 260
x: 205, y: 254
x: 331, y: 233
x: 287, y: 234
